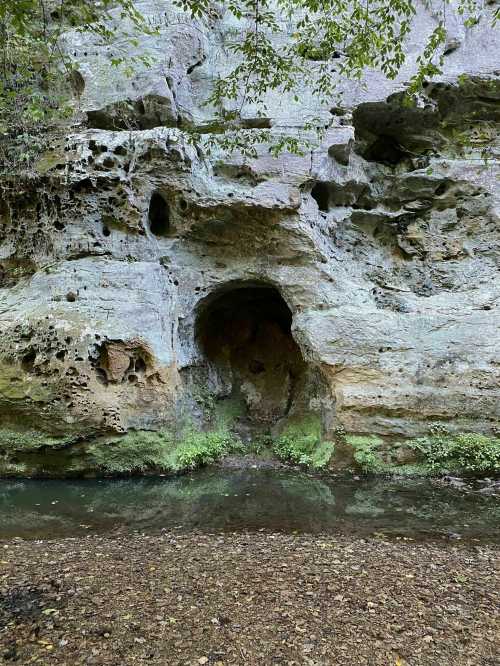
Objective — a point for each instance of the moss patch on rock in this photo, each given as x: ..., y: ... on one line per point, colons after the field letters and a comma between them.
x: 16, y: 385
x: 140, y: 451
x: 301, y: 442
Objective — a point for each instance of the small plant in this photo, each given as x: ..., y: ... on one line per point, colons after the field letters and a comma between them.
x: 202, y: 448
x: 301, y: 443
x: 367, y: 452
x: 260, y: 444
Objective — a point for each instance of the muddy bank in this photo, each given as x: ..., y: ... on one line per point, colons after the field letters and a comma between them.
x: 251, y: 598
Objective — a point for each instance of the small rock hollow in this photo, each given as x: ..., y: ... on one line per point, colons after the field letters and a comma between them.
x: 321, y: 194
x: 245, y: 334
x: 159, y: 215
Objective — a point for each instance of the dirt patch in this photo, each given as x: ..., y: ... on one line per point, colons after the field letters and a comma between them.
x: 253, y: 598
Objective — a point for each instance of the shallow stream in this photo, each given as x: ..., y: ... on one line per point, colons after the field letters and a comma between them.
x: 253, y: 499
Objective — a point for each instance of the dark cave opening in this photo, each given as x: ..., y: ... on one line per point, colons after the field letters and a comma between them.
x: 385, y: 149
x: 321, y: 194
x: 159, y: 215
x: 244, y: 332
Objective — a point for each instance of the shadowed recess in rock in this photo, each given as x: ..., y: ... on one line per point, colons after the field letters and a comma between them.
x: 245, y: 332
x: 159, y: 215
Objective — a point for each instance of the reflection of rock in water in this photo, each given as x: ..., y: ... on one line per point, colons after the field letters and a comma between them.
x: 365, y: 503
x: 245, y: 499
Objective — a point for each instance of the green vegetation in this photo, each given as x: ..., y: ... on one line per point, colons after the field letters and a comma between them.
x: 301, y: 443
x: 13, y: 441
x: 438, y: 453
x: 300, y: 46
x: 138, y: 451
x: 285, y: 47
x: 366, y: 452
x: 39, y: 84
x: 135, y: 452
x: 463, y: 452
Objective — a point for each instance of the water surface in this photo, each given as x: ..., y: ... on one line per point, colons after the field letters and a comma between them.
x: 247, y: 499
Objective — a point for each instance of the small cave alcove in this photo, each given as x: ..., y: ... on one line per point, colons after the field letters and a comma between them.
x: 244, y: 333
x: 321, y: 194
x: 159, y: 215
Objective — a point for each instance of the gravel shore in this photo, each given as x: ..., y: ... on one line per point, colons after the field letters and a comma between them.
x: 248, y: 598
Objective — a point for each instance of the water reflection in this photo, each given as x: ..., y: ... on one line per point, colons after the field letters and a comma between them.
x: 233, y: 500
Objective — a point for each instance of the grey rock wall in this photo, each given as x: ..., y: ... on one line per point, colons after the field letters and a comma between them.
x: 383, y: 242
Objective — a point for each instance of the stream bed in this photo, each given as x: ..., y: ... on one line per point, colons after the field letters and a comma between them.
x: 232, y: 500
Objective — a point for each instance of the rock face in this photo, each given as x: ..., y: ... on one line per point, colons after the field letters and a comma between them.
x: 143, y: 281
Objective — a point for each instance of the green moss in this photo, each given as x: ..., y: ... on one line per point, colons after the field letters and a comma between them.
x: 367, y: 452
x: 301, y: 443
x: 17, y: 385
x: 138, y: 451
x: 48, y: 161
x: 225, y: 412
x: 12, y: 441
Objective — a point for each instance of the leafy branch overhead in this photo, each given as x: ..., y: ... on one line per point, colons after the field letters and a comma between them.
x: 38, y: 83
x: 297, y: 47
x: 292, y: 47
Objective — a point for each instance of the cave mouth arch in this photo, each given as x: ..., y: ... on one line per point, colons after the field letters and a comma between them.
x: 244, y: 333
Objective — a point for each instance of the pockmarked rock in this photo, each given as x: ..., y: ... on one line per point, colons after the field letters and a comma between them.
x: 149, y: 286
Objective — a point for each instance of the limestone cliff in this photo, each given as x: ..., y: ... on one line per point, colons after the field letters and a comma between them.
x: 144, y: 282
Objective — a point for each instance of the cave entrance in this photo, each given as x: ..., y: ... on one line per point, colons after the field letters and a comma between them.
x: 244, y: 332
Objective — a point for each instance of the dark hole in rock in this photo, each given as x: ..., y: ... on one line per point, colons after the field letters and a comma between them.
x: 183, y: 204
x: 106, y: 231
x: 59, y: 226
x: 77, y: 82
x: 28, y: 361
x: 256, y: 367
x: 244, y: 332
x: 159, y: 215
x: 101, y: 376
x: 441, y: 189
x: 385, y: 149
x: 321, y: 194
x: 140, y: 365
x: 61, y: 355
x: 84, y: 185
x: 71, y: 297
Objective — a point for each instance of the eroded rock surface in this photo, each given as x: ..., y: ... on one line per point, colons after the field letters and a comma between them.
x: 381, y: 249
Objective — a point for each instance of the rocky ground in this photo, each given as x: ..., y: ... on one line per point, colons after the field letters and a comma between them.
x: 249, y: 598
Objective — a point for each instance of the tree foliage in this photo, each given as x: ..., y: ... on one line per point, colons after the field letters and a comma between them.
x: 292, y: 46
x: 285, y: 46
x: 38, y: 83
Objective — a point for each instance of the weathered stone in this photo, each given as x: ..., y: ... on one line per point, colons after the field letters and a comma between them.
x: 382, y: 249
